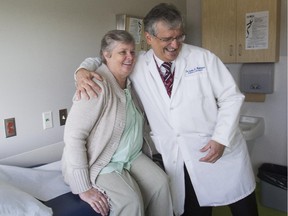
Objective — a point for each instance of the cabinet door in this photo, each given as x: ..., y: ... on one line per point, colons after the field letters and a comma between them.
x: 258, y: 36
x: 219, y: 28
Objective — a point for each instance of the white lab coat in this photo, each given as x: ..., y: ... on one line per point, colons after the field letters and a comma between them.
x: 205, y: 104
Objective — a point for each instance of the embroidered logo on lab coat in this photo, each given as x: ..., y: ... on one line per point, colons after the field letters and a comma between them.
x: 189, y: 72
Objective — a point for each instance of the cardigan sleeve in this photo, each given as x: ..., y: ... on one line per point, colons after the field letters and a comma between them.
x: 81, y: 120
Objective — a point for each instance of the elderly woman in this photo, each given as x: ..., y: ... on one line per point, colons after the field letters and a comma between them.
x: 102, y: 158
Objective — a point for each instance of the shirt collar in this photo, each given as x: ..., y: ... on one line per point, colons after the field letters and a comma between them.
x: 160, y: 62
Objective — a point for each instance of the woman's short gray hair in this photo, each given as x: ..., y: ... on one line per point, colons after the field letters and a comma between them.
x: 110, y: 38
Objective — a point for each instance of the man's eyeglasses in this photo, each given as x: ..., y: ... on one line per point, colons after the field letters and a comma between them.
x: 179, y: 39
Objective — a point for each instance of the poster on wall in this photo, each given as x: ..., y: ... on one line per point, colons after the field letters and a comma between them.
x: 135, y: 28
x: 257, y: 30
x: 134, y: 25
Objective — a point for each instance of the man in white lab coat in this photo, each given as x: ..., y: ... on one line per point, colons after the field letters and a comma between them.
x: 195, y: 127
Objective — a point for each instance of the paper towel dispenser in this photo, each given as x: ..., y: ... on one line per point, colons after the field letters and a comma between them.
x: 257, y: 78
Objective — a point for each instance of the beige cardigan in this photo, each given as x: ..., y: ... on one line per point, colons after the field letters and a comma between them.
x: 92, y: 133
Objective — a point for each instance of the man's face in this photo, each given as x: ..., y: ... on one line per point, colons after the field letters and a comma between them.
x: 167, y: 43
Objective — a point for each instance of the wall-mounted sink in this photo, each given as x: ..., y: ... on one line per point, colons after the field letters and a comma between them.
x: 252, y: 127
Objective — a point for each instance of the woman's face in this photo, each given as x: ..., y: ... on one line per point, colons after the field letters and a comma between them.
x: 121, y: 60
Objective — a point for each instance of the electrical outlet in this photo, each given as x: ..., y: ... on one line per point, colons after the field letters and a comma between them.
x: 47, y: 120
x: 62, y: 116
x: 10, y: 127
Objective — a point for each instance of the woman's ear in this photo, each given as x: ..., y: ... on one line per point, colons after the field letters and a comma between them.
x: 107, y: 55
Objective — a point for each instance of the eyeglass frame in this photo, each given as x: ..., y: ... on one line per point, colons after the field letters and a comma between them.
x: 179, y: 38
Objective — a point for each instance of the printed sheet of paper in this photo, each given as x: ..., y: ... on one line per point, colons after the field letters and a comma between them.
x: 257, y: 28
x: 135, y: 28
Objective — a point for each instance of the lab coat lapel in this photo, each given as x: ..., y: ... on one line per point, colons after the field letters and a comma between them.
x: 157, y: 85
x: 179, y: 71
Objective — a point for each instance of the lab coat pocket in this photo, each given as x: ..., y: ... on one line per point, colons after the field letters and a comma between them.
x: 231, y: 173
x: 191, y: 145
x: 196, y: 85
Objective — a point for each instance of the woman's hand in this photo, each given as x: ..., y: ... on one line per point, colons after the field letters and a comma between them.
x: 215, y: 151
x: 97, y: 200
x: 86, y: 87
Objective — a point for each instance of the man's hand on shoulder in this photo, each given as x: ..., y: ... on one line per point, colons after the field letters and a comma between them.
x: 86, y: 87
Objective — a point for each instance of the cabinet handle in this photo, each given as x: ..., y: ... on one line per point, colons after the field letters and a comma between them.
x: 231, y: 50
x: 240, y: 49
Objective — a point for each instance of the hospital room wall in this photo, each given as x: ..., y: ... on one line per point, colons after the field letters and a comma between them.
x: 41, y: 44
x: 272, y: 147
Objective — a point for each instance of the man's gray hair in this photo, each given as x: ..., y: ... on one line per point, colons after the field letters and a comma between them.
x: 163, y: 12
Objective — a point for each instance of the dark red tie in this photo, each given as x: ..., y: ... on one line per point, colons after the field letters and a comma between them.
x: 168, y: 77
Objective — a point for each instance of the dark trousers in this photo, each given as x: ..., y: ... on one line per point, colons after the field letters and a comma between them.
x: 244, y: 207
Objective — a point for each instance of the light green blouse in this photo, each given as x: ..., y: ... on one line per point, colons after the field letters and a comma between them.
x: 131, y: 140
